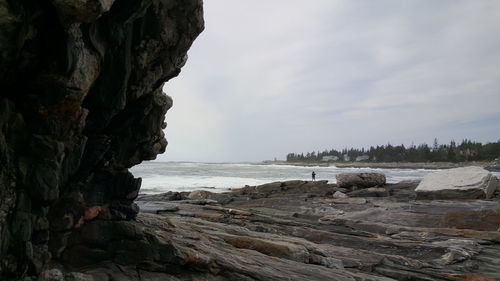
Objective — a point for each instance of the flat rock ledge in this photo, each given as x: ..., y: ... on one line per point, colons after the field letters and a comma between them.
x: 459, y: 183
x: 292, y: 230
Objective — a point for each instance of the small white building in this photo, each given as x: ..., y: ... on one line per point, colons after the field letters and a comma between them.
x: 346, y: 157
x: 330, y: 158
x: 362, y: 158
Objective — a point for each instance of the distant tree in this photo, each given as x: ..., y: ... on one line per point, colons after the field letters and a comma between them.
x: 436, y: 145
x: 467, y: 150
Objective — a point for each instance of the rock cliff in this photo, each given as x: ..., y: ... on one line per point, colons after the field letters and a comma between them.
x: 81, y: 101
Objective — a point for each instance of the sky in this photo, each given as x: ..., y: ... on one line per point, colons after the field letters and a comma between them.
x: 270, y: 77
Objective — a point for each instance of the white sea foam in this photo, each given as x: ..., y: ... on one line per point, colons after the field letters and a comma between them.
x: 159, y: 183
x: 218, y: 177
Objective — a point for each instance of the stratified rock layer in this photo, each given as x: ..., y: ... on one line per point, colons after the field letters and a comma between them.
x: 296, y: 230
x: 80, y: 102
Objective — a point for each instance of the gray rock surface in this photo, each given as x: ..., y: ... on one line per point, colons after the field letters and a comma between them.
x: 458, y: 183
x: 81, y: 101
x: 277, y: 232
x: 339, y: 194
x: 289, y: 231
x: 361, y: 180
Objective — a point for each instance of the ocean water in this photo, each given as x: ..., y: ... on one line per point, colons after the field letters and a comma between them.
x: 158, y: 177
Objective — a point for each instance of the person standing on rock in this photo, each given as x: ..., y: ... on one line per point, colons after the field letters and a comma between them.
x: 313, y: 176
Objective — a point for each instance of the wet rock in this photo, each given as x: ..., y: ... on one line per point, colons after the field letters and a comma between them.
x: 361, y: 180
x: 458, y: 183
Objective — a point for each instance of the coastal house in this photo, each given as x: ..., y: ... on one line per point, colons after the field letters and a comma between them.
x: 362, y: 158
x: 330, y: 158
x: 346, y: 157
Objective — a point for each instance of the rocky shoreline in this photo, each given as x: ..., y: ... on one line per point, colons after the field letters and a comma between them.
x: 82, y: 102
x: 296, y: 230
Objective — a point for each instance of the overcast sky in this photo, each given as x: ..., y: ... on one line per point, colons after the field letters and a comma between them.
x: 269, y: 77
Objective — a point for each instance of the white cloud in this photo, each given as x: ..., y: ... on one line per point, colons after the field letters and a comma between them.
x: 271, y: 77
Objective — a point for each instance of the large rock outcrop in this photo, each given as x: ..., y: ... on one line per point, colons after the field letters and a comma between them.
x: 459, y: 183
x: 81, y: 101
x: 361, y: 180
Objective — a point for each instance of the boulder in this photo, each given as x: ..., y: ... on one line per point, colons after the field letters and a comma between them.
x: 459, y: 183
x: 339, y: 194
x: 362, y: 180
x: 199, y: 194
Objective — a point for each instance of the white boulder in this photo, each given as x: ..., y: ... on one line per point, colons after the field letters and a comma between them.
x: 459, y: 183
x: 339, y: 194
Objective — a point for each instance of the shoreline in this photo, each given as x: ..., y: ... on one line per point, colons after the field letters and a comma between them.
x: 318, y: 231
x: 491, y: 166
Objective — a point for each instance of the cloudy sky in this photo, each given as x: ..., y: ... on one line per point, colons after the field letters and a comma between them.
x: 269, y: 77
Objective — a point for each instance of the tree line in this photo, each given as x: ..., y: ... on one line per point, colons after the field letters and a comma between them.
x: 467, y: 150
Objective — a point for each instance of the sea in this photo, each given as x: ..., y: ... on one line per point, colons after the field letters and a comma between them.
x: 159, y: 177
